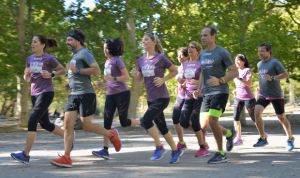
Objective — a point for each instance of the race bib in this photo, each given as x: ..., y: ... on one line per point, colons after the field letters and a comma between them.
x: 148, y: 70
x: 107, y: 70
x: 36, y: 67
x: 189, y: 73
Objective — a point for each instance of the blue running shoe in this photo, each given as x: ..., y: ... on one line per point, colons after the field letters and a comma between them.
x: 218, y: 158
x: 175, y: 156
x: 158, y: 154
x: 229, y: 143
x: 21, y: 157
x: 290, y: 144
x: 261, y: 142
x: 101, y: 153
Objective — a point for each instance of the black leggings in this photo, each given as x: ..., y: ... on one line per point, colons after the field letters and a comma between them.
x: 190, y: 112
x: 155, y: 112
x: 118, y: 101
x: 177, y: 110
x: 40, y: 104
x: 240, y: 104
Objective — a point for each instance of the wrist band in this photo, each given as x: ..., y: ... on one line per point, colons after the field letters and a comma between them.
x: 52, y: 74
x: 115, y: 78
x: 78, y: 71
x: 273, y: 78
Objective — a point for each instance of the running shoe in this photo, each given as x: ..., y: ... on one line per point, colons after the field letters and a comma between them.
x: 101, y: 153
x: 290, y: 144
x: 62, y: 161
x: 237, y: 141
x: 218, y: 158
x: 229, y: 143
x: 181, y: 146
x: 202, y: 152
x: 158, y: 153
x: 21, y: 157
x: 115, y: 139
x: 175, y: 156
x: 261, y: 142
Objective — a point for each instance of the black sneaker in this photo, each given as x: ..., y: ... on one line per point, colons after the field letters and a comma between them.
x: 261, y: 142
x: 218, y: 158
x: 229, y: 143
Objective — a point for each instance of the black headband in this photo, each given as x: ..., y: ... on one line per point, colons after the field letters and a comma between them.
x: 78, y: 35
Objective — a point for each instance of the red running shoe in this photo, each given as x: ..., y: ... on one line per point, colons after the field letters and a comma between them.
x: 115, y: 139
x: 62, y: 161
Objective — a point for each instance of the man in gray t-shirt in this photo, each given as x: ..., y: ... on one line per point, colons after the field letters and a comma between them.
x: 82, y: 99
x: 217, y: 70
x: 271, y: 71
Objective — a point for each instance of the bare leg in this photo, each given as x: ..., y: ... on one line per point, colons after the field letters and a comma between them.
x: 69, y: 122
x: 153, y: 132
x: 258, y: 120
x: 238, y: 128
x: 169, y: 138
x: 285, y: 124
x: 216, y: 129
x: 31, y: 136
x: 179, y: 132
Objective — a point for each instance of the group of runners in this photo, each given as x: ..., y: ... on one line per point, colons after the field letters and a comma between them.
x: 202, y: 94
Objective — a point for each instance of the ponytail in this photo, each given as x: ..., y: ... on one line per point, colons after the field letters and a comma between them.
x: 51, y: 43
x: 48, y: 42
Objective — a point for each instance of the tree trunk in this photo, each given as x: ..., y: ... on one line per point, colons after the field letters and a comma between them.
x: 22, y: 86
x: 137, y: 87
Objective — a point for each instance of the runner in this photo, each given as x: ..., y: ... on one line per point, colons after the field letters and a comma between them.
x: 151, y: 68
x: 271, y: 71
x: 82, y: 99
x: 182, y: 56
x: 215, y: 60
x: 40, y: 68
x: 243, y: 95
x: 117, y: 92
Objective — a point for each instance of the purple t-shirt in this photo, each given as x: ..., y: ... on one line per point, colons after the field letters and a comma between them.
x: 37, y: 64
x: 192, y: 70
x: 242, y: 91
x: 113, y: 67
x: 180, y: 89
x: 151, y: 68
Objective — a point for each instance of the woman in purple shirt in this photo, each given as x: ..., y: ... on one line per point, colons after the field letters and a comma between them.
x: 243, y: 95
x: 151, y: 68
x: 192, y: 104
x: 182, y: 55
x: 40, y: 69
x: 117, y: 92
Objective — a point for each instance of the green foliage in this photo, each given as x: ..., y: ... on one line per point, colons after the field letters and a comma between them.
x: 241, y: 24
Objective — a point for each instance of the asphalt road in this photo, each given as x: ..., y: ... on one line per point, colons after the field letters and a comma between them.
x: 272, y: 161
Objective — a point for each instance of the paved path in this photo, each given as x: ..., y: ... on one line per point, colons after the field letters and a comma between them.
x: 271, y: 161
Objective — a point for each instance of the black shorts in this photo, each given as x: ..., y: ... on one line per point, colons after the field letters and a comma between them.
x: 85, y: 104
x: 214, y: 105
x: 278, y: 104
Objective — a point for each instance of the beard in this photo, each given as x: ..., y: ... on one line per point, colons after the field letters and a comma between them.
x: 70, y: 47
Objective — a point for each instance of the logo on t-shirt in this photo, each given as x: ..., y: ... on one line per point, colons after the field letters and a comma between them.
x: 190, y: 73
x: 107, y: 70
x: 148, y: 70
x: 36, y: 67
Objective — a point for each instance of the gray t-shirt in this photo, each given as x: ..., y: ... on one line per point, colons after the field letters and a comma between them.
x: 81, y: 84
x: 214, y: 63
x: 270, y: 89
